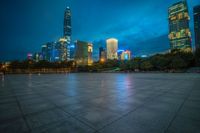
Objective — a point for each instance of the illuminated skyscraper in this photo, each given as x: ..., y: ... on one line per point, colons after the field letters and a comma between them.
x: 112, y: 47
x: 196, y: 12
x: 44, y: 52
x: 83, y: 53
x: 47, y: 51
x: 179, y: 32
x: 102, y: 54
x: 67, y: 23
x: 67, y: 30
x: 126, y: 55
x: 61, y: 46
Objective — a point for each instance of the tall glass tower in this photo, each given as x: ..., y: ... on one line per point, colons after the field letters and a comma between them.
x: 196, y: 12
x: 179, y: 32
x: 67, y: 30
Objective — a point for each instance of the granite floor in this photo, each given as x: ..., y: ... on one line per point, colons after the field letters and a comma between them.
x: 100, y: 103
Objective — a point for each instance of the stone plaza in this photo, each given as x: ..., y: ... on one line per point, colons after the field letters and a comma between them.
x: 100, y: 103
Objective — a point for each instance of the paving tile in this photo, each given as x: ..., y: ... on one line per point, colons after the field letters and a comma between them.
x: 152, y: 118
x: 163, y: 106
x: 192, y: 103
x: 97, y: 118
x: 7, y: 99
x: 170, y: 99
x: 9, y: 111
x: 75, y: 109
x: 13, y: 126
x: 120, y: 108
x: 125, y: 125
x: 184, y: 125
x: 36, y: 107
x: 42, y: 118
x: 65, y: 101
x: 70, y: 125
x: 190, y: 112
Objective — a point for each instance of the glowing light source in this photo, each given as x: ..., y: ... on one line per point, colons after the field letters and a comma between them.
x: 120, y: 50
x: 72, y: 46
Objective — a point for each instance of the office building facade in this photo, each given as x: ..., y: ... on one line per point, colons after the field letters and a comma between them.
x: 61, y: 46
x: 196, y: 12
x: 67, y: 31
x: 179, y: 32
x: 83, y: 53
x: 102, y: 54
x: 112, y: 47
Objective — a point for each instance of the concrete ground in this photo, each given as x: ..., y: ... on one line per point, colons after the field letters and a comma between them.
x: 101, y: 103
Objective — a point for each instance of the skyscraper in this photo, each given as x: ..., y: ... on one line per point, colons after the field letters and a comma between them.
x: 102, y: 54
x: 83, y: 53
x: 62, y: 49
x: 47, y: 51
x: 179, y: 32
x: 112, y: 47
x: 67, y: 30
x: 196, y: 12
x: 67, y: 23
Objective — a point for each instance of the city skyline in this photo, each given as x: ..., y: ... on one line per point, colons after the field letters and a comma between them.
x: 140, y: 38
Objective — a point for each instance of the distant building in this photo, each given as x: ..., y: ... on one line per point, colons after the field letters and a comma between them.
x: 67, y: 23
x: 68, y: 31
x: 44, y: 52
x: 102, y: 54
x: 126, y: 55
x: 37, y: 57
x: 119, y: 53
x: 83, y: 53
x: 47, y: 51
x: 196, y: 12
x: 29, y: 56
x: 112, y: 47
x: 179, y: 32
x: 72, y: 51
x: 61, y: 46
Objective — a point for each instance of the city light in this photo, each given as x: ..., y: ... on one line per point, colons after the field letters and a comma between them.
x: 120, y: 50
x: 72, y: 46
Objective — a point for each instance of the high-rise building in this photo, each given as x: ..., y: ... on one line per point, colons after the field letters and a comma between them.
x: 102, y: 54
x: 44, y: 52
x: 72, y: 51
x: 61, y: 46
x: 196, y: 12
x: 90, y: 50
x: 126, y: 55
x: 37, y: 57
x: 67, y: 22
x: 47, y: 51
x: 83, y: 53
x: 179, y: 32
x: 67, y: 31
x: 112, y: 47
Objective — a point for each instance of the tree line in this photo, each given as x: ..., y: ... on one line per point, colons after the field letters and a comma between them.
x: 173, y: 61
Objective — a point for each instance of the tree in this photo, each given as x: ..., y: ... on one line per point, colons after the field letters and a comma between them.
x: 160, y: 62
x: 136, y: 63
x: 178, y: 63
x: 146, y: 65
x: 197, y: 57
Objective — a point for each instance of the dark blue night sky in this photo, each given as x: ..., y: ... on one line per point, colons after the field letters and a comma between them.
x: 140, y: 25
